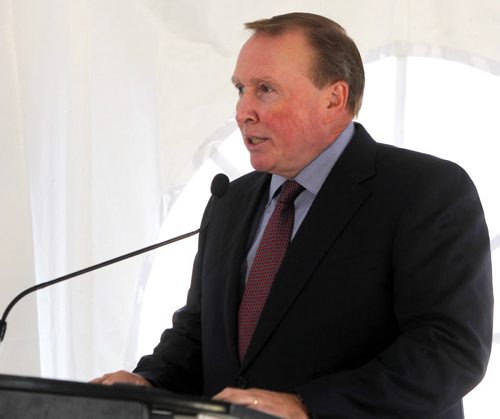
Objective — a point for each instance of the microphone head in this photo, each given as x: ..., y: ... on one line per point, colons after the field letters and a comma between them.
x: 219, y: 186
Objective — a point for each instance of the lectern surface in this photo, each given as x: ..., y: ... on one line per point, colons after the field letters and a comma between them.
x: 30, y: 397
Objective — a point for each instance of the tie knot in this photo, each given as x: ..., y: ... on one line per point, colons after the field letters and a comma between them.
x: 289, y: 191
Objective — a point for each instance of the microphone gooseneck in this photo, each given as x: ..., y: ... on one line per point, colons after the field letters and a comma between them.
x: 218, y: 188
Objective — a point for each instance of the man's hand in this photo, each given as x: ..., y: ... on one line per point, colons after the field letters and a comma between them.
x: 284, y: 405
x: 121, y: 377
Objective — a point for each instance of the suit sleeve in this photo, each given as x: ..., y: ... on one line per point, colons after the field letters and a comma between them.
x: 442, y: 300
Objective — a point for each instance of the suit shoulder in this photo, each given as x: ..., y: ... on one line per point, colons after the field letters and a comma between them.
x: 410, y: 162
x: 365, y: 156
x: 419, y: 176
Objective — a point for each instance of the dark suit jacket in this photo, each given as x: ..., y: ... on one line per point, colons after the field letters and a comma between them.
x: 382, y: 306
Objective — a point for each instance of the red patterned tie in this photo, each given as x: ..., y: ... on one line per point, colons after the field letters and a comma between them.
x: 267, y: 260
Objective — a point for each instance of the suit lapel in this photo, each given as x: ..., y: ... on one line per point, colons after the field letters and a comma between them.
x: 237, y: 229
x: 339, y: 199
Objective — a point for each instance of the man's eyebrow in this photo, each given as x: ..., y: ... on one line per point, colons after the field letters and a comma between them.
x: 253, y: 80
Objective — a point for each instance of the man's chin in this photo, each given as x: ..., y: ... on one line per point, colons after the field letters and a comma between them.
x: 260, y: 166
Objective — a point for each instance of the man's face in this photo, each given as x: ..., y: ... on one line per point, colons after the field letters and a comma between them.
x: 280, y: 112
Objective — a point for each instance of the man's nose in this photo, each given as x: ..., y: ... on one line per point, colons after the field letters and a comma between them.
x: 246, y: 110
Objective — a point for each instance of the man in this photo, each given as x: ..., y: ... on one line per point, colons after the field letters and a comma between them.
x: 381, y: 305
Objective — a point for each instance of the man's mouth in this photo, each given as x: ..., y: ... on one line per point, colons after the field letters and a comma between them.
x: 255, y: 140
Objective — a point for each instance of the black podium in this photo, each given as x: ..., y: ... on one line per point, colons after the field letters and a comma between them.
x: 30, y: 398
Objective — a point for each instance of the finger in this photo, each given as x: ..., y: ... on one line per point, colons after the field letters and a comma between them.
x: 121, y: 377
x: 99, y: 380
x: 247, y: 398
x: 226, y: 394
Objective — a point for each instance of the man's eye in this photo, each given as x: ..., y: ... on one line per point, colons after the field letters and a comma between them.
x: 240, y: 88
x: 266, y: 88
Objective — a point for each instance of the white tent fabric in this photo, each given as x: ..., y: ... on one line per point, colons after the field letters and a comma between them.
x: 107, y: 107
x: 15, y: 224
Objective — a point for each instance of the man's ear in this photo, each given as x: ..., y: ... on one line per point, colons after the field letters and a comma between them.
x: 336, y: 95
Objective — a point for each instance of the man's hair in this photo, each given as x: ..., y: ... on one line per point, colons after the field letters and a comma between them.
x: 336, y: 55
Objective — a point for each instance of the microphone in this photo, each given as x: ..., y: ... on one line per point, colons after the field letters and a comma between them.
x: 218, y: 188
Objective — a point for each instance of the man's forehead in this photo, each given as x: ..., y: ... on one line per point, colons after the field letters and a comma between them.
x: 292, y: 38
x: 263, y: 53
